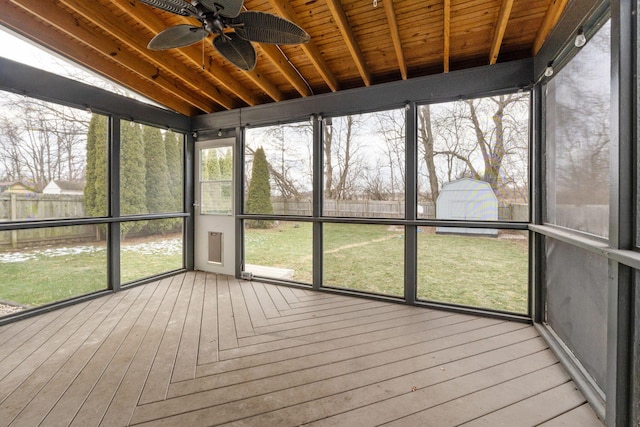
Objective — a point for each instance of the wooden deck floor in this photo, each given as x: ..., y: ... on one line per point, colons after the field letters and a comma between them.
x: 200, y: 349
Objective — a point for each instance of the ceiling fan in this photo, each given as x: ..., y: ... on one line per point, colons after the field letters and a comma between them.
x: 217, y: 15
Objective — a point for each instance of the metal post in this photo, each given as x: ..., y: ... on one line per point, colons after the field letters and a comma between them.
x: 113, y: 229
x: 411, y: 201
x: 620, y: 330
x: 238, y: 168
x: 318, y: 169
x: 536, y: 184
x: 189, y: 192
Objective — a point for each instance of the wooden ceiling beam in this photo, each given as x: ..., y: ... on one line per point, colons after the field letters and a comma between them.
x: 88, y: 54
x: 96, y: 14
x: 501, y: 26
x: 154, y: 23
x: 395, y: 36
x: 550, y: 20
x: 342, y: 22
x: 282, y: 63
x: 283, y: 9
x: 268, y: 87
x: 447, y: 35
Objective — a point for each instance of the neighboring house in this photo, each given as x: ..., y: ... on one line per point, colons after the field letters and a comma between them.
x: 64, y: 187
x: 15, y: 188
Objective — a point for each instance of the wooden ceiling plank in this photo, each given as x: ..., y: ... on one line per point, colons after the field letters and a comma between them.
x: 395, y: 36
x: 98, y: 16
x: 27, y: 25
x: 268, y: 87
x: 342, y: 22
x: 447, y: 35
x: 310, y: 49
x: 501, y: 26
x: 554, y: 11
x: 154, y: 23
x: 280, y: 61
x: 67, y: 24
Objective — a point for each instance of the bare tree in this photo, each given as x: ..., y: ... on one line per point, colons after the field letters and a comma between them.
x: 344, y: 163
x: 391, y: 126
x: 427, y: 143
x: 289, y: 152
x: 484, y: 139
x: 42, y: 141
x: 10, y: 157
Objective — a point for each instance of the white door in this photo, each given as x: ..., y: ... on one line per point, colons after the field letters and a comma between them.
x: 214, y: 219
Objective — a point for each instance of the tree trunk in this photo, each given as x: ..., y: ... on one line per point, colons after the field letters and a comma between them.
x: 328, y: 163
x: 426, y: 136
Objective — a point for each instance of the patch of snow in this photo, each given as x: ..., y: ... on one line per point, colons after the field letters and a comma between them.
x: 157, y: 247
x: 75, y: 250
x: 15, y: 257
x: 163, y: 247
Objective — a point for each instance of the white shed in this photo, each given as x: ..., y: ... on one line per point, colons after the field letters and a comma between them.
x: 467, y: 199
x: 64, y: 187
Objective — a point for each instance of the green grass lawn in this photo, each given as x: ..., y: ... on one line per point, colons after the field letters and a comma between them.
x: 289, y: 245
x: 467, y: 270
x: 36, y: 276
x: 44, y: 278
x: 476, y: 271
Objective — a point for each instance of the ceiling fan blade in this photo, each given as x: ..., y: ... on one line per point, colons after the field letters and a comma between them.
x: 238, y: 51
x: 226, y: 8
x: 179, y: 7
x: 267, y: 28
x: 178, y: 36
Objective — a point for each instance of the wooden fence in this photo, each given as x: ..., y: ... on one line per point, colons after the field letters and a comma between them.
x: 20, y: 207
x: 383, y: 209
x: 16, y: 207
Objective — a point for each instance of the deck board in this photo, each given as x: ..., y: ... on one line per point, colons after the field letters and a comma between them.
x: 98, y: 401
x: 160, y: 375
x: 42, y: 403
x: 582, y: 416
x: 208, y: 344
x: 187, y: 357
x: 90, y: 393
x: 205, y: 349
x: 126, y: 399
x: 539, y: 406
x: 226, y: 320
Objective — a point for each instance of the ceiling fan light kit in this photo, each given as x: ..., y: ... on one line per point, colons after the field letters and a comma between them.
x: 218, y: 17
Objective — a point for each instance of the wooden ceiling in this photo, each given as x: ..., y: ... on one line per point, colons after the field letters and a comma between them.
x: 354, y: 43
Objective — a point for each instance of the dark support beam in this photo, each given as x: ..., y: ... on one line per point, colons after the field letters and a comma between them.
x: 635, y: 291
x: 318, y: 189
x: 620, y: 329
x: 536, y: 203
x: 238, y: 178
x: 411, y: 202
x: 481, y: 81
x: 113, y: 233
x: 560, y: 40
x: 189, y: 197
x: 50, y: 87
x: 635, y: 356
